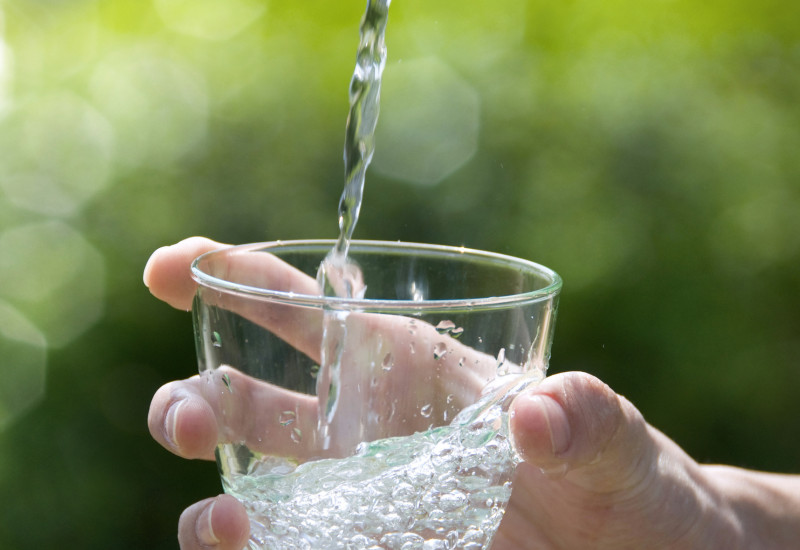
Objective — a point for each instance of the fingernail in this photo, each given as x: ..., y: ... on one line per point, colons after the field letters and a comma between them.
x: 205, y: 531
x: 557, y: 423
x: 171, y: 422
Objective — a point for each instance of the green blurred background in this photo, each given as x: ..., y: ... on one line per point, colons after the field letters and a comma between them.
x: 647, y: 151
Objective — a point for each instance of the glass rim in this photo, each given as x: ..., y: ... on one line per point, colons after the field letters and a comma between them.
x: 371, y: 304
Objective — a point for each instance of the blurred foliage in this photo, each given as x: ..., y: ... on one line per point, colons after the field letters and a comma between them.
x: 647, y: 151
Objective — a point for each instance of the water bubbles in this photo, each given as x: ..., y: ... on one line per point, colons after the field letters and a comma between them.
x: 439, y: 350
x: 451, y: 539
x: 388, y: 362
x: 411, y: 541
x: 426, y: 410
x: 287, y: 418
x: 453, y: 501
x: 461, y: 361
x: 425, y: 491
x: 216, y: 339
x: 314, y: 371
x: 412, y: 327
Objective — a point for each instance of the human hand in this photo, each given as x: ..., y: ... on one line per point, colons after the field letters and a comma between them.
x: 596, y: 474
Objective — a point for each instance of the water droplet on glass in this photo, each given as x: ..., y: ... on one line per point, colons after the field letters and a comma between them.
x: 450, y: 398
x: 502, y: 367
x: 314, y: 371
x: 445, y: 326
x: 297, y: 435
x: 216, y: 340
x: 388, y: 362
x: 449, y: 327
x: 462, y: 361
x: 426, y: 410
x: 412, y: 327
x: 227, y: 381
x: 286, y: 418
x: 439, y: 350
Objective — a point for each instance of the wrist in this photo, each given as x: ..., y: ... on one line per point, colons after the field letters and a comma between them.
x: 764, y: 506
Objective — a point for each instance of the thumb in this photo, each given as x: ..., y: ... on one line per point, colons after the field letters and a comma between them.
x: 573, y: 424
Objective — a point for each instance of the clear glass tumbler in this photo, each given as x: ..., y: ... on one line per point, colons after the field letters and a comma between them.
x: 372, y: 422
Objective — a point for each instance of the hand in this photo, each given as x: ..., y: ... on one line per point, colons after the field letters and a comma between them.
x: 596, y: 475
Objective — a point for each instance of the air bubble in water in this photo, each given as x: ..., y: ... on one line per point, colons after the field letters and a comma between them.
x: 426, y: 410
x: 388, y: 362
x: 412, y: 327
x: 314, y: 371
x: 217, y: 340
x: 439, y: 350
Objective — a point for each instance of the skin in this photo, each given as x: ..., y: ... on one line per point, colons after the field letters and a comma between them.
x: 596, y: 475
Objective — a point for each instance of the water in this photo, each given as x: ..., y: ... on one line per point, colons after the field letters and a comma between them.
x: 338, y: 275
x: 445, y: 488
x: 365, y: 90
x: 442, y: 489
x: 359, y: 142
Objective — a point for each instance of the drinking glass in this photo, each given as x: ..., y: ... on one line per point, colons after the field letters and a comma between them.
x: 378, y: 421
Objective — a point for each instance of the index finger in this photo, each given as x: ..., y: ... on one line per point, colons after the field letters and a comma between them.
x: 168, y: 271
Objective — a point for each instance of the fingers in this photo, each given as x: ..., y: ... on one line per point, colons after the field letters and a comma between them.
x: 183, y: 421
x: 574, y: 424
x: 169, y: 278
x: 168, y: 271
x: 219, y: 523
x: 191, y: 417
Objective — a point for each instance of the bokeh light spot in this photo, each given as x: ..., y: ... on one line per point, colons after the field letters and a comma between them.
x: 54, y: 276
x: 23, y: 349
x: 5, y: 71
x: 157, y: 105
x: 58, y: 154
x: 430, y: 121
x: 209, y: 19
